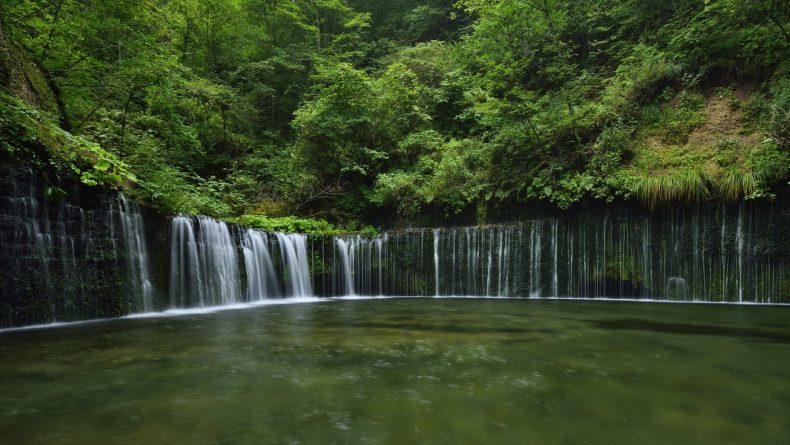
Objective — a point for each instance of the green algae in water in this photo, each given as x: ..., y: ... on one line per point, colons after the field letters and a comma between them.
x: 407, y: 371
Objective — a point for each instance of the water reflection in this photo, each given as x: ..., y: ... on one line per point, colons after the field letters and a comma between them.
x: 406, y: 371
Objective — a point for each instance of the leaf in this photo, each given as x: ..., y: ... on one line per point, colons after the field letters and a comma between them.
x: 88, y: 179
x: 103, y: 165
x: 55, y: 194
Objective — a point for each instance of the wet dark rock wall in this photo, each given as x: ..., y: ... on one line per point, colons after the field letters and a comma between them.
x: 92, y: 253
x: 707, y: 252
x: 65, y: 258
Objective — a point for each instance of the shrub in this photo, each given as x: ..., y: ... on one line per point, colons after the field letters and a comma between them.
x: 288, y: 224
x: 30, y: 136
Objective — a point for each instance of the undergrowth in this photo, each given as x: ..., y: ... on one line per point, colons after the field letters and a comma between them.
x: 30, y: 136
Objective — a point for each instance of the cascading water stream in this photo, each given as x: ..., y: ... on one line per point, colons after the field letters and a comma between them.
x: 261, y: 277
x: 219, y: 263
x: 693, y: 255
x: 67, y: 260
x: 185, y: 274
x: 739, y: 249
x: 346, y: 249
x: 69, y: 253
x: 293, y: 248
x: 137, y: 252
x: 204, y: 263
x: 205, y: 269
x: 436, y: 237
x: 379, y: 252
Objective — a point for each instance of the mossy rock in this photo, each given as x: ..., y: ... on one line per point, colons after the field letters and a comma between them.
x: 23, y: 78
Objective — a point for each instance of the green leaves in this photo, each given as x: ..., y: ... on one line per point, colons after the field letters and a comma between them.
x: 47, y: 143
x: 55, y: 194
x: 290, y: 224
x: 339, y: 107
x: 351, y: 128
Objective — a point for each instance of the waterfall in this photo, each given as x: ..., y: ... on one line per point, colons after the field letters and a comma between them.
x: 677, y: 287
x: 137, y: 253
x: 293, y: 248
x: 699, y: 254
x: 554, y: 248
x: 436, y: 258
x: 535, y: 244
x: 347, y: 249
x: 68, y: 252
x: 363, y: 265
x: 489, y: 264
x: 662, y: 256
x: 204, y: 263
x: 739, y: 249
x: 205, y: 270
x: 261, y: 277
x: 379, y: 251
x: 185, y: 275
x: 219, y: 261
x: 86, y: 256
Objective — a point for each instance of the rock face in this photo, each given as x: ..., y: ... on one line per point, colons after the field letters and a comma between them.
x: 710, y: 252
x: 70, y: 252
x: 83, y: 256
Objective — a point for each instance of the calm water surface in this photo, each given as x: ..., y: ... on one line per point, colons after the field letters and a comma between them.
x: 407, y: 371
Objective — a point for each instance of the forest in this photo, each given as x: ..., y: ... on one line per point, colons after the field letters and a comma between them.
x: 395, y: 222
x: 316, y: 115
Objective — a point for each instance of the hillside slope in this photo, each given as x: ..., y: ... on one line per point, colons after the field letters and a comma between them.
x: 399, y: 113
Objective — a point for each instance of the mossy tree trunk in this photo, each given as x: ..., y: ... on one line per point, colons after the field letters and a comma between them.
x: 23, y: 78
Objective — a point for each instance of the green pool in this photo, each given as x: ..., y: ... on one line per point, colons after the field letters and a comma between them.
x: 402, y: 371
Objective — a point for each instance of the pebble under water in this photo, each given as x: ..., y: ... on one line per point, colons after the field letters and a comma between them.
x: 409, y: 370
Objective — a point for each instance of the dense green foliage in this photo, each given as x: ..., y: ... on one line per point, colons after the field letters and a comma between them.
x: 371, y: 110
x: 38, y: 139
x: 310, y: 226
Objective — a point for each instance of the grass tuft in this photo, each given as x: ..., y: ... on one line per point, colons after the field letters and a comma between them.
x: 733, y: 184
x: 685, y: 185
